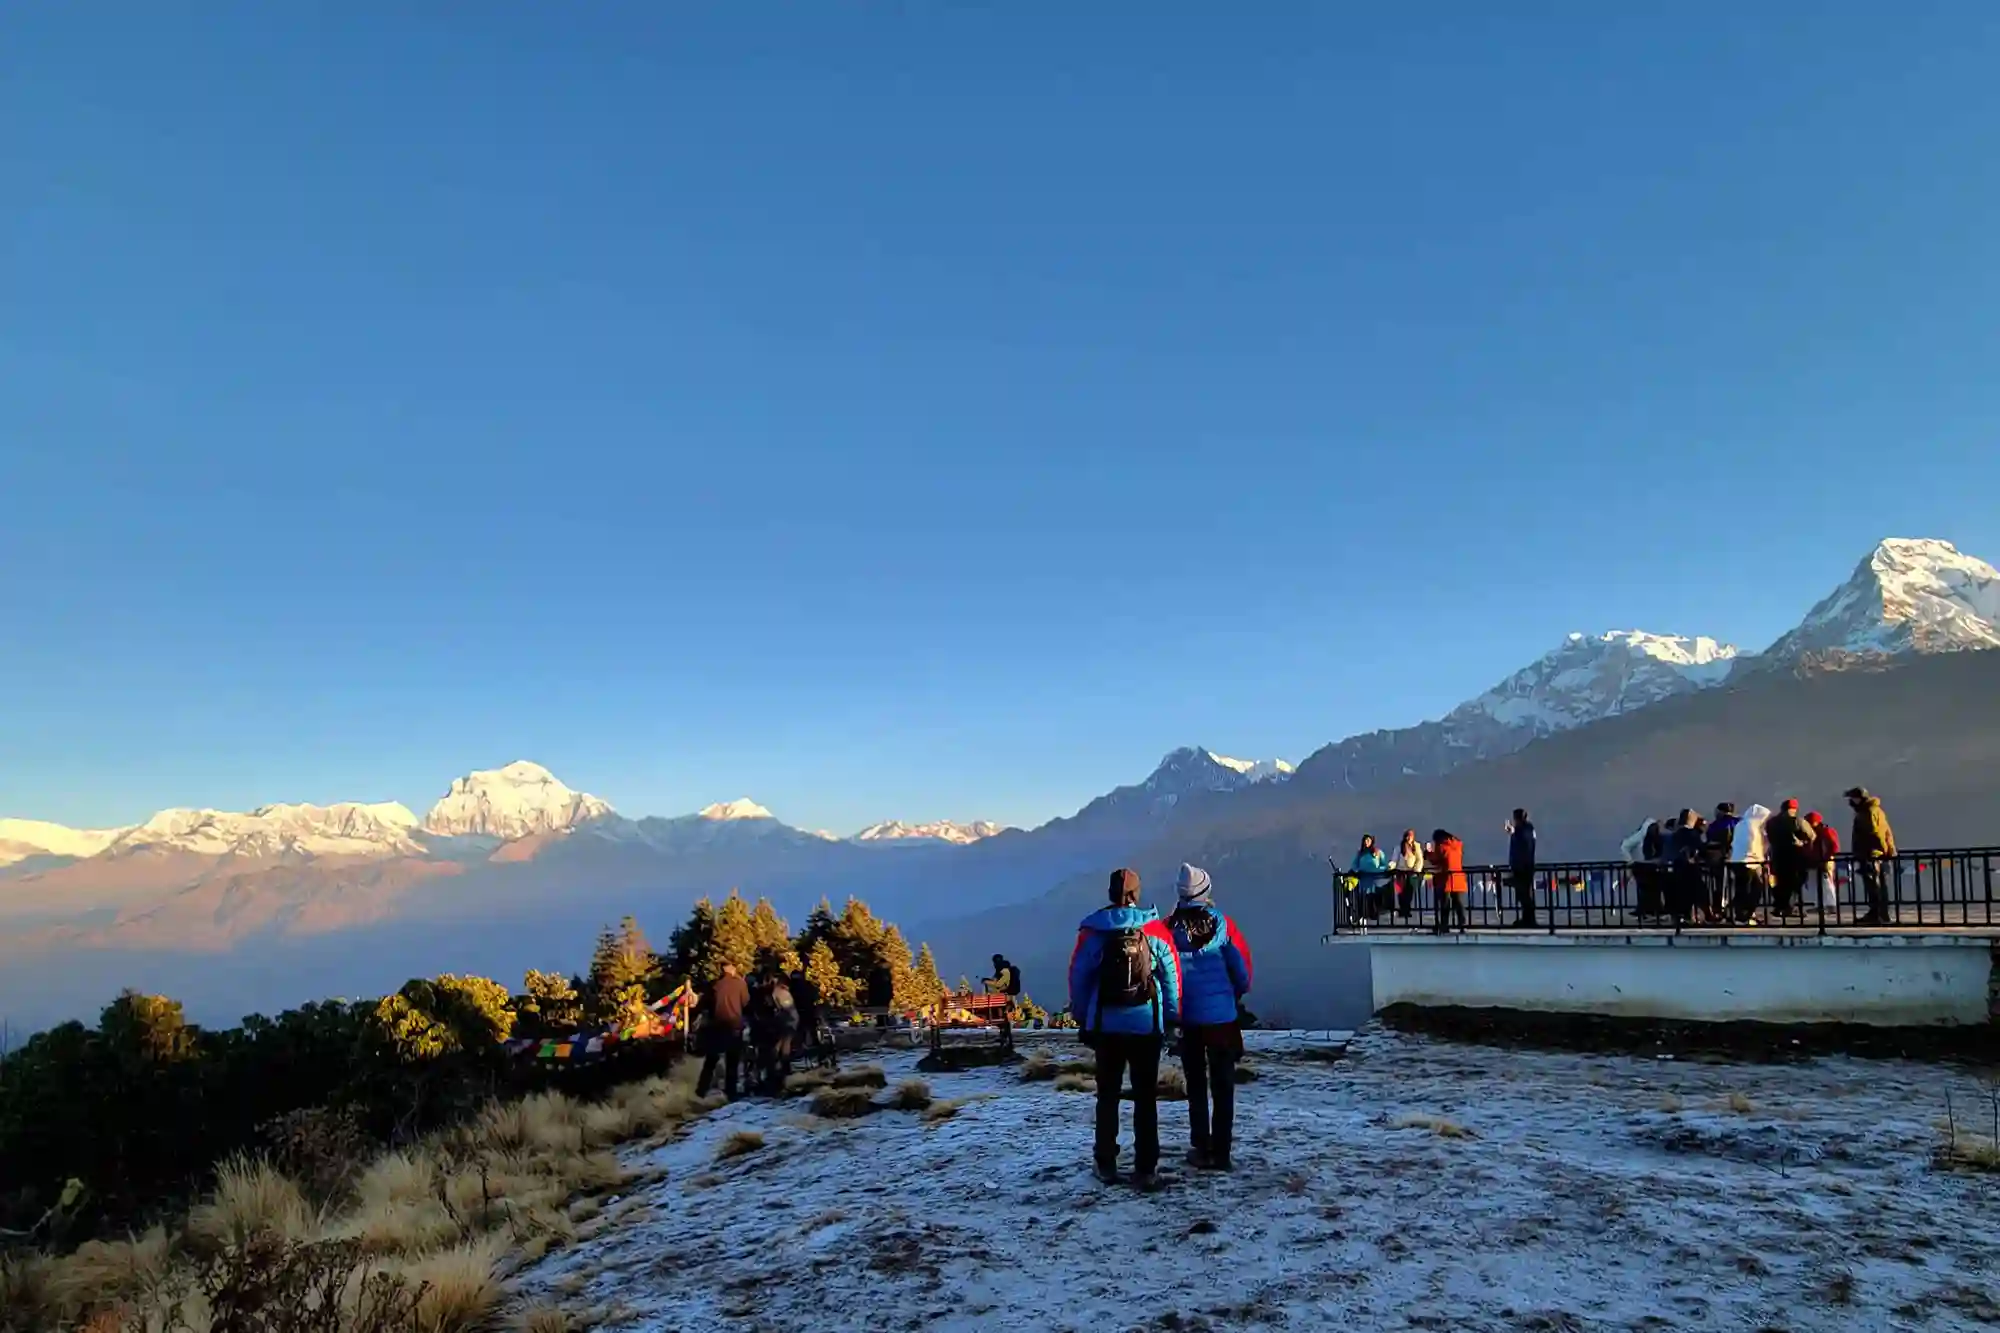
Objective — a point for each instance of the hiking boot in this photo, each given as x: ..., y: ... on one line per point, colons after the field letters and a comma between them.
x: 1107, y: 1172
x: 1145, y: 1181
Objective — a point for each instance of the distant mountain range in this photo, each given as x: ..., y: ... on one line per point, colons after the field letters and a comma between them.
x: 515, y: 853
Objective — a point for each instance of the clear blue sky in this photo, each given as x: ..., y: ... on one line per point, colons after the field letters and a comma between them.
x: 941, y: 410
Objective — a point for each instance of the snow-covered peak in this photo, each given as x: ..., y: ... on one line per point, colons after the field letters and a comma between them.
x: 1256, y: 770
x: 23, y: 838
x: 895, y: 832
x: 740, y: 808
x: 511, y: 802
x: 1908, y: 595
x: 1593, y: 676
x: 345, y: 829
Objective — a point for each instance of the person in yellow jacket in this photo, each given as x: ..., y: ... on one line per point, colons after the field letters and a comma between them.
x: 1873, y: 846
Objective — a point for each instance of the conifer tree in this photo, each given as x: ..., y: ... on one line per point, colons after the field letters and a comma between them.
x: 835, y: 990
x: 819, y: 926
x: 895, y: 955
x: 549, y: 1004
x: 773, y: 937
x: 857, y: 940
x: 926, y: 987
x: 621, y: 960
x: 690, y: 952
x: 735, y: 934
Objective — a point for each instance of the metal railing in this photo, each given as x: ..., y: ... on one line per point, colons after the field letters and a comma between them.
x: 1944, y: 888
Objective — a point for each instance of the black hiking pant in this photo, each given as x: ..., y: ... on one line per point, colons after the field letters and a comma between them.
x: 729, y: 1051
x: 1524, y: 892
x: 1788, y: 881
x: 1211, y: 1088
x: 1450, y: 908
x: 1141, y: 1055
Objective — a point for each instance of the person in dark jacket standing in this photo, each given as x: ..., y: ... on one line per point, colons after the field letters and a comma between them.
x: 806, y: 996
x: 1684, y: 869
x: 1872, y: 847
x: 722, y: 1037
x: 1521, y: 865
x: 1215, y: 976
x: 1125, y: 994
x: 1718, y: 849
x: 1789, y: 841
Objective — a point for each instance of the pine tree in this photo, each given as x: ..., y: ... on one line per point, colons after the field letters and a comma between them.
x: 690, y: 952
x: 735, y: 934
x: 895, y: 956
x: 857, y: 940
x: 621, y: 960
x: 819, y: 926
x: 835, y: 991
x: 965, y: 985
x: 927, y: 987
x: 774, y: 945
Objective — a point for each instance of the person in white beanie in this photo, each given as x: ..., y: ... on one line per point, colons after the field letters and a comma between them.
x: 1215, y: 976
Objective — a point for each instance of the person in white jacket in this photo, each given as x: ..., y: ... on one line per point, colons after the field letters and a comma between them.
x: 1409, y: 864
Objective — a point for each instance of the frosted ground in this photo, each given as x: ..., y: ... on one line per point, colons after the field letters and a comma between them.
x: 1589, y: 1192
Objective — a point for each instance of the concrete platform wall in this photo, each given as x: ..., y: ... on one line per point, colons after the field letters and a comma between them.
x: 1889, y: 980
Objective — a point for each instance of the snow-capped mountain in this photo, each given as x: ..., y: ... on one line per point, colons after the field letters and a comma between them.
x: 344, y: 829
x: 1256, y: 770
x: 740, y: 808
x: 22, y: 839
x: 1908, y: 595
x: 512, y: 802
x: 1597, y: 676
x: 895, y: 833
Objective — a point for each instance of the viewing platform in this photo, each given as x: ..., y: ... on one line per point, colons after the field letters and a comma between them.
x: 1708, y: 946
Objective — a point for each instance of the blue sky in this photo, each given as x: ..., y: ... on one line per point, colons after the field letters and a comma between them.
x: 941, y: 410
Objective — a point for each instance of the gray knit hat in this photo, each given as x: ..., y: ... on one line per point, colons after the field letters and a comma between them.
x: 1193, y: 885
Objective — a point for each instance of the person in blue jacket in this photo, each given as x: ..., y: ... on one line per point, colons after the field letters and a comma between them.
x: 1521, y: 865
x: 1372, y: 887
x: 1125, y: 994
x: 1215, y: 976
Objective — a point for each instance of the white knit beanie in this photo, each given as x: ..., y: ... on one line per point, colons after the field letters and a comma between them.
x: 1193, y: 885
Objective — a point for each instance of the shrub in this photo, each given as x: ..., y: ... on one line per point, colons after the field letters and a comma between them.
x: 842, y: 1103
x: 1076, y: 1083
x: 27, y: 1295
x: 1038, y: 1068
x: 738, y: 1144
x: 317, y: 1146
x: 911, y: 1095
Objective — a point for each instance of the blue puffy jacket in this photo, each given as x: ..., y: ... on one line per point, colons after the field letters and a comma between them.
x: 1371, y: 868
x: 1088, y: 957
x: 1215, y: 965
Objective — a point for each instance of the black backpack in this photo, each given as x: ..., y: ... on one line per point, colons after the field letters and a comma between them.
x: 1013, y: 978
x: 1125, y: 973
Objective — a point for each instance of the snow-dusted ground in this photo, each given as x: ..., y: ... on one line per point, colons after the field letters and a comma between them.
x: 1595, y: 1192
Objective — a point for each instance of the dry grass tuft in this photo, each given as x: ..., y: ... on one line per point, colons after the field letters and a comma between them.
x: 1173, y: 1084
x: 939, y: 1112
x: 1671, y: 1104
x: 251, y: 1199
x: 1038, y: 1068
x: 861, y: 1076
x: 106, y: 1271
x: 461, y: 1287
x: 911, y: 1095
x: 541, y: 1318
x: 739, y: 1143
x: 842, y: 1103
x: 1436, y: 1124
x: 1962, y: 1151
x: 1247, y: 1074
x: 1075, y: 1083
x: 1740, y: 1104
x: 806, y: 1082
x: 27, y: 1288
x: 1838, y: 1288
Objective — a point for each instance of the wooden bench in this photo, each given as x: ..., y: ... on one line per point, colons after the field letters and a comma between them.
x: 984, y: 1013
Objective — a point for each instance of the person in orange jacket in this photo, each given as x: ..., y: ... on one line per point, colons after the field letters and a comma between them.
x: 1447, y: 861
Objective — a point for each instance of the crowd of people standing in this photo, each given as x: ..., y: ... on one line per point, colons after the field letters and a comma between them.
x: 1731, y: 869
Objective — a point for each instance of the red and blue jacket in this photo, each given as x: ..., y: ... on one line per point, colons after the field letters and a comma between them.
x: 1215, y: 965
x: 1088, y: 956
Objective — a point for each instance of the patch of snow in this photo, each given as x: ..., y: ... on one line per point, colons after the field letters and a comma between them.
x: 347, y: 828
x: 1583, y: 1197
x: 1590, y: 677
x: 511, y: 802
